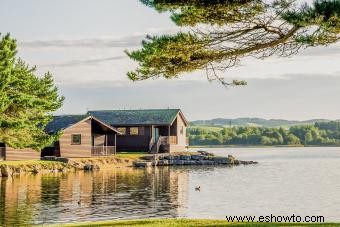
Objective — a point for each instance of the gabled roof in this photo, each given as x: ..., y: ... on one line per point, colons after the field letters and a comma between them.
x: 137, y: 117
x: 64, y: 121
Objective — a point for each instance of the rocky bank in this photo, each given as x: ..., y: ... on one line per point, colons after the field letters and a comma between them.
x: 55, y: 164
x: 200, y: 158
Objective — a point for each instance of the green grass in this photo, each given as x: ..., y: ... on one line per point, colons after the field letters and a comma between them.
x: 131, y: 155
x: 185, y: 223
x: 29, y: 162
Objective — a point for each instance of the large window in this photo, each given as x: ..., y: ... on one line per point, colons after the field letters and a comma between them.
x: 134, y: 131
x: 122, y: 130
x: 76, y: 139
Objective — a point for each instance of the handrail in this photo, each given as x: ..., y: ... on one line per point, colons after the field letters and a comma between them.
x: 159, y: 142
x: 151, y: 143
x: 103, y: 150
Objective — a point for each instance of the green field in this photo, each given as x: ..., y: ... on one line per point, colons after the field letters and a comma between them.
x: 184, y: 223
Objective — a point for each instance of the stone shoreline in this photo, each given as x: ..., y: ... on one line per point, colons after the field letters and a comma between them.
x: 63, y: 165
x: 201, y: 158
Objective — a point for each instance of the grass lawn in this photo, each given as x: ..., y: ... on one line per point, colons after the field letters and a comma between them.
x: 131, y: 155
x: 184, y: 223
x: 28, y: 163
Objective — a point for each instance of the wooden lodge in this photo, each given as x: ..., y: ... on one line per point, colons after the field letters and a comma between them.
x: 82, y: 136
x: 102, y: 133
x: 152, y: 130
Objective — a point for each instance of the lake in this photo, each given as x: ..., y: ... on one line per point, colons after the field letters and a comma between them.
x: 300, y: 181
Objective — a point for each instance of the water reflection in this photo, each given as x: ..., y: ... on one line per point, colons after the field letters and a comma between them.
x: 100, y: 195
x: 300, y: 181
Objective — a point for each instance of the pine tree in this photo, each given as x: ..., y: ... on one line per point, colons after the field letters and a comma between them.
x: 218, y: 34
x: 26, y: 100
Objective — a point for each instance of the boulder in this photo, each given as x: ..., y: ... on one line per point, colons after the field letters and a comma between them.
x: 206, y: 162
x: 160, y: 157
x: 247, y: 162
x: 206, y: 153
x: 88, y: 167
x: 197, y: 157
x: 154, y: 162
x: 193, y: 162
x: 221, y: 160
x: 208, y: 157
x: 231, y: 159
x: 163, y: 163
x: 176, y: 157
x: 142, y: 164
x: 169, y: 157
x: 185, y: 157
x: 178, y: 162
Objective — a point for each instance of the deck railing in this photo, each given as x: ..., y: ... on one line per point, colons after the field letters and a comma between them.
x: 2, y: 153
x: 166, y: 140
x: 172, y: 140
x: 103, y: 150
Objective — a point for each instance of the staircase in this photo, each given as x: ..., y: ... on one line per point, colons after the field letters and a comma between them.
x: 154, y: 147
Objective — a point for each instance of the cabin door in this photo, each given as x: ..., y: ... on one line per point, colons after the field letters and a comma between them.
x: 155, y: 134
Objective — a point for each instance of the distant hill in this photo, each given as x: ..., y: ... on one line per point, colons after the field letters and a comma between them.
x: 253, y: 122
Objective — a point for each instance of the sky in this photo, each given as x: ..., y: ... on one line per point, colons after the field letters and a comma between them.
x: 82, y: 43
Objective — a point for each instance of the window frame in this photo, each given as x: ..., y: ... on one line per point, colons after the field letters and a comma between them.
x: 72, y: 139
x: 122, y: 130
x: 136, y: 132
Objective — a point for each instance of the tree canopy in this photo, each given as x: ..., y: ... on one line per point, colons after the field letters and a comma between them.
x: 319, y: 134
x: 217, y: 34
x: 26, y: 100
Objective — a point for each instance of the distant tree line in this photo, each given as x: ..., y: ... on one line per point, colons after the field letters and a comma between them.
x: 319, y: 134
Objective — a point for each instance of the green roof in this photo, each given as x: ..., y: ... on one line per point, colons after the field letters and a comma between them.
x: 63, y: 121
x: 136, y: 117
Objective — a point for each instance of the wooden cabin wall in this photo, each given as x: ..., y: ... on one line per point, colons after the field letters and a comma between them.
x: 181, y: 137
x: 173, y: 128
x: 13, y: 154
x: 69, y: 150
x: 134, y: 142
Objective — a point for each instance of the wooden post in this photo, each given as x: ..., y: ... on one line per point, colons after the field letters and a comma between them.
x: 169, y: 134
x: 105, y: 144
x: 115, y: 143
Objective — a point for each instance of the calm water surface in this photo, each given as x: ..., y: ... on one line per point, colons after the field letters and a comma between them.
x: 300, y: 181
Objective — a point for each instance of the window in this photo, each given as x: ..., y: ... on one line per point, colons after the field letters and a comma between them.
x: 141, y: 131
x: 76, y: 139
x: 134, y: 131
x: 122, y: 130
x: 182, y: 130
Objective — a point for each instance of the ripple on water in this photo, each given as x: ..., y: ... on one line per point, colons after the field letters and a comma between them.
x: 300, y: 181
